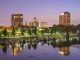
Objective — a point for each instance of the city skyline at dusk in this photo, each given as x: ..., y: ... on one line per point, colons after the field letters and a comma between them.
x: 39, y: 29
x: 44, y: 10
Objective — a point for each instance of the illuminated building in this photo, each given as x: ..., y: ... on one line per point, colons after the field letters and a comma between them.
x: 43, y: 24
x: 35, y: 23
x: 17, y: 20
x: 26, y: 23
x: 64, y: 19
x: 31, y: 24
x: 64, y: 51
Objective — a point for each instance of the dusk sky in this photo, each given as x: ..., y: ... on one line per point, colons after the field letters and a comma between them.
x: 44, y: 10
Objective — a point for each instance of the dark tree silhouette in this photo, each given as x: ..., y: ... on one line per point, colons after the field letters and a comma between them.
x: 13, y: 31
x: 22, y: 32
x: 29, y: 31
x: 5, y: 33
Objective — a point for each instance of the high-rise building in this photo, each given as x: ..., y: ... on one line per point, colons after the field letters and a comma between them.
x: 44, y: 24
x: 26, y: 23
x: 35, y: 22
x: 64, y: 19
x: 17, y: 20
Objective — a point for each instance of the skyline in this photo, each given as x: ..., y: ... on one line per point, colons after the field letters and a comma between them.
x: 44, y: 10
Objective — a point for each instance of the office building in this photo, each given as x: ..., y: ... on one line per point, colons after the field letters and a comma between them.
x: 35, y: 22
x: 64, y: 19
x: 17, y: 20
x: 43, y: 24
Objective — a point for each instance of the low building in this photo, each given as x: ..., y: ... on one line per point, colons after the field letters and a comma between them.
x: 43, y: 24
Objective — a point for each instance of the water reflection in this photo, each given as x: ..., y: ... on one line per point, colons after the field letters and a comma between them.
x: 4, y: 48
x: 16, y: 46
x: 64, y: 51
x: 15, y: 50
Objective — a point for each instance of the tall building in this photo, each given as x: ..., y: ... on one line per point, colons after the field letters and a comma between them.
x: 64, y: 19
x: 34, y: 23
x: 44, y: 24
x: 17, y: 20
x: 26, y: 23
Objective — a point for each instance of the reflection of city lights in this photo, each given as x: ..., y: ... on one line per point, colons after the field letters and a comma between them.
x: 25, y: 45
x: 39, y: 43
x: 10, y: 46
x: 20, y: 49
x: 17, y: 45
x: 15, y: 50
x: 62, y: 53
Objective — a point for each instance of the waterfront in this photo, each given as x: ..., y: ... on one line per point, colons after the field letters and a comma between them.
x: 39, y: 49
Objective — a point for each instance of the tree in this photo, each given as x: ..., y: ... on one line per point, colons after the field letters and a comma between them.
x: 54, y: 29
x: 0, y: 34
x: 5, y: 33
x: 22, y: 32
x: 34, y: 30
x: 29, y: 31
x: 51, y: 31
x: 13, y: 31
x: 42, y: 32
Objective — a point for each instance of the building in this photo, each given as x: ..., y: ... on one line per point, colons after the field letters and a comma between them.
x: 17, y: 20
x: 31, y: 24
x: 64, y: 19
x: 26, y: 23
x: 43, y: 24
x: 35, y: 23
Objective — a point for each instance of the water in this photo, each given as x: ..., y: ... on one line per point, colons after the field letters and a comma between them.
x: 40, y: 50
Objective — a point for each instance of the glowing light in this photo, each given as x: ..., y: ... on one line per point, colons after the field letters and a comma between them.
x: 62, y: 13
x: 62, y: 53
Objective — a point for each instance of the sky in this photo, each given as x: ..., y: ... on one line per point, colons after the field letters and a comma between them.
x: 44, y: 10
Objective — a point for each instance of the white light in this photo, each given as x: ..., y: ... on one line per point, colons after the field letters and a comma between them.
x: 62, y: 13
x: 62, y: 53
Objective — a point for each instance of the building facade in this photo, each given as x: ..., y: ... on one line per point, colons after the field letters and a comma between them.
x: 31, y: 24
x: 17, y: 20
x: 43, y: 24
x: 64, y: 19
x: 34, y: 23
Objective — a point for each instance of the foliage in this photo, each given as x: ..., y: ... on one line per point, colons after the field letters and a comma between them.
x: 29, y: 31
x: 5, y: 33
x: 13, y: 31
x: 22, y: 32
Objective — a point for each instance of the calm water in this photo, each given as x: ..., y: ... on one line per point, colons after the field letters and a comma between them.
x: 40, y: 50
